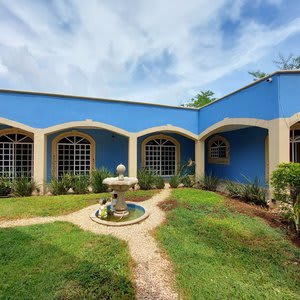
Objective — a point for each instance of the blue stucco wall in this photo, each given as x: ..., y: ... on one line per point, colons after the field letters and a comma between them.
x: 109, y: 151
x: 289, y: 95
x: 187, y: 147
x: 259, y: 101
x: 247, y: 155
x: 41, y: 111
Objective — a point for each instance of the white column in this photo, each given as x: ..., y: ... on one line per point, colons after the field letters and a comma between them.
x: 40, y: 160
x: 279, y: 143
x: 132, y: 156
x: 199, y: 158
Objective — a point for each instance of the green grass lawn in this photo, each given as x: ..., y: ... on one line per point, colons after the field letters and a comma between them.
x: 26, y: 207
x: 219, y: 254
x: 61, y: 261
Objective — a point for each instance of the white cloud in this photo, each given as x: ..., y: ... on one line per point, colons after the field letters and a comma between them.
x: 115, y: 48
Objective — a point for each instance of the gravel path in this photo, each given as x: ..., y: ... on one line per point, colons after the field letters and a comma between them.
x: 153, y: 273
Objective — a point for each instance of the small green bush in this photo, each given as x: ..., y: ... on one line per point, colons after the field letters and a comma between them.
x: 254, y: 192
x: 57, y: 186
x: 159, y: 182
x: 97, y: 178
x: 5, y: 186
x: 174, y: 181
x: 146, y: 179
x: 81, y: 184
x: 187, y: 180
x: 234, y: 189
x: 209, y: 182
x: 23, y: 186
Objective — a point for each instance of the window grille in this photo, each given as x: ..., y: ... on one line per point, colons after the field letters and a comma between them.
x: 160, y: 157
x: 295, y: 145
x: 73, y: 156
x: 16, y: 155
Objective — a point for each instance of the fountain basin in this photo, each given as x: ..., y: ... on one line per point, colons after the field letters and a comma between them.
x: 137, y: 213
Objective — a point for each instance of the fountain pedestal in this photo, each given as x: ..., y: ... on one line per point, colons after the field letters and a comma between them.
x: 120, y: 185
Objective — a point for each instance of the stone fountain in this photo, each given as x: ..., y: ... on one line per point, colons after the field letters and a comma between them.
x: 122, y: 213
x: 120, y: 185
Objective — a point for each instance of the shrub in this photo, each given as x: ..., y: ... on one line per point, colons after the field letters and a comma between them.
x: 187, y: 180
x: 97, y: 178
x: 146, y: 179
x: 81, y: 184
x: 254, y: 192
x: 57, y: 186
x: 209, y: 182
x: 159, y: 182
x: 5, y: 186
x: 234, y: 189
x: 23, y: 186
x: 286, y: 182
x: 174, y: 181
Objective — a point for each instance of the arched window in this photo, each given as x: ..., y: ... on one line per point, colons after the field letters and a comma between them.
x: 161, y: 155
x: 218, y: 150
x: 16, y: 153
x: 295, y: 144
x: 73, y: 153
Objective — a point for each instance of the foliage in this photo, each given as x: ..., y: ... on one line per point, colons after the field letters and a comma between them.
x: 159, y: 182
x: 234, y: 189
x: 57, y: 186
x: 174, y: 181
x: 5, y: 186
x: 23, y: 186
x: 252, y: 191
x: 61, y: 261
x: 146, y: 179
x: 43, y: 206
x: 187, y: 180
x: 216, y: 251
x: 209, y: 182
x: 97, y: 177
x: 286, y: 183
x: 201, y: 99
x: 81, y: 184
x: 290, y: 62
x: 257, y: 74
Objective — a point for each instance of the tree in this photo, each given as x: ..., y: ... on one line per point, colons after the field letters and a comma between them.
x: 290, y: 62
x: 257, y: 74
x: 201, y: 99
x: 286, y: 182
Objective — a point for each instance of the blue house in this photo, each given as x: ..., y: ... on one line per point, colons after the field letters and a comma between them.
x: 244, y: 134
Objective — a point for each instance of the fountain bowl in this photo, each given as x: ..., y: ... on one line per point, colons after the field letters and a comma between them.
x: 137, y: 213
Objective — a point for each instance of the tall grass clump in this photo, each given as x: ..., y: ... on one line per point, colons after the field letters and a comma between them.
x: 209, y: 182
x: 5, y: 186
x: 146, y: 179
x: 81, y: 184
x: 174, y: 182
x: 97, y: 177
x: 23, y: 186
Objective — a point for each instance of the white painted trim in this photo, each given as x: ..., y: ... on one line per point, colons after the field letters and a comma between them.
x: 83, y: 124
x: 168, y: 128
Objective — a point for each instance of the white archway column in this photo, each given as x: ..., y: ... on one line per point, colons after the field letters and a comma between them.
x: 279, y: 143
x: 40, y: 160
x: 132, y: 156
x: 199, y: 158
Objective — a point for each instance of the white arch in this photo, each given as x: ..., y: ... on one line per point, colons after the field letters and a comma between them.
x: 18, y: 125
x: 233, y: 122
x: 86, y: 123
x: 168, y: 128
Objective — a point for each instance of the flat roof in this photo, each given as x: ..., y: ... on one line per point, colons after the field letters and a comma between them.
x: 148, y: 103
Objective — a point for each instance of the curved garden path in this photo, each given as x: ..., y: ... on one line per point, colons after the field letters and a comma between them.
x: 153, y: 274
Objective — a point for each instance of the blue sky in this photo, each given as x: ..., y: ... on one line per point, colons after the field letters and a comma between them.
x: 155, y: 51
